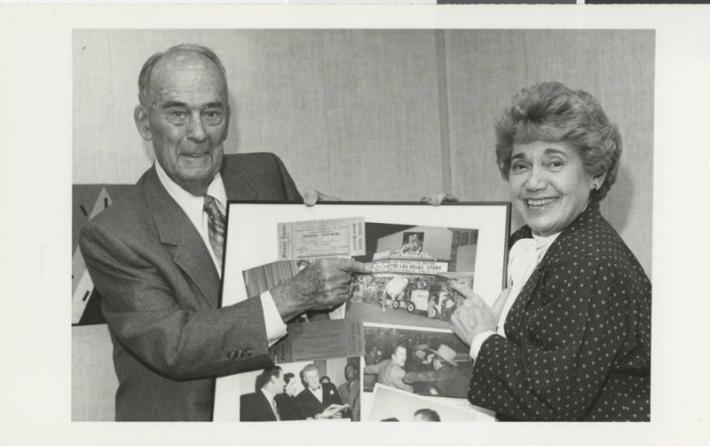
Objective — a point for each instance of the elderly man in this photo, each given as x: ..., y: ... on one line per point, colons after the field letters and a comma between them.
x: 262, y: 404
x: 155, y: 255
x: 391, y: 371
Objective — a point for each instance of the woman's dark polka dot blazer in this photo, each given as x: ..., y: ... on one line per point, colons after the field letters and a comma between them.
x: 578, y: 336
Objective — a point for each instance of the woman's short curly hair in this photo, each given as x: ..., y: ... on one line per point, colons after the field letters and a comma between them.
x: 552, y: 112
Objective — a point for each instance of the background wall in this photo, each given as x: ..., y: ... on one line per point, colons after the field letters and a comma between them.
x: 379, y: 114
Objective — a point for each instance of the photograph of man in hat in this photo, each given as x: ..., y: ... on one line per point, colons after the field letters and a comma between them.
x: 444, y: 376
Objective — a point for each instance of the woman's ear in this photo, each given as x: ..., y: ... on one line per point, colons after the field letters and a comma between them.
x: 598, y: 181
x: 140, y: 116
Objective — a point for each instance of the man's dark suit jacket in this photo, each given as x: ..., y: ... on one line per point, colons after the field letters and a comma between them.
x: 310, y: 406
x: 288, y: 407
x: 255, y: 407
x: 160, y: 293
x: 578, y: 336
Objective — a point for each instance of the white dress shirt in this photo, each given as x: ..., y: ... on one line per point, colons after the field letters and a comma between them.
x: 194, y: 209
x: 523, y: 259
x: 318, y: 393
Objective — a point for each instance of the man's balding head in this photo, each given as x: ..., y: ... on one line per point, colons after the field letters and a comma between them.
x: 174, y: 53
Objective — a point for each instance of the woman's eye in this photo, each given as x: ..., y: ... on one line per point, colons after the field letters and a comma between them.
x: 556, y: 163
x: 518, y: 167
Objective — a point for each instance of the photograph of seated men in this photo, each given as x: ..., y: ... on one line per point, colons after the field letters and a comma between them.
x: 155, y: 255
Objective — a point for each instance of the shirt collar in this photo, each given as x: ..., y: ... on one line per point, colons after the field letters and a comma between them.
x: 190, y: 204
x: 543, y: 242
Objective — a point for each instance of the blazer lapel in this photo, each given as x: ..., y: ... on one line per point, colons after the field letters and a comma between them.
x: 519, y: 312
x: 176, y: 230
x: 516, y: 316
x: 569, y: 237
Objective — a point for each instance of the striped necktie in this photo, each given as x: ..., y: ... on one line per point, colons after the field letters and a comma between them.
x: 217, y: 225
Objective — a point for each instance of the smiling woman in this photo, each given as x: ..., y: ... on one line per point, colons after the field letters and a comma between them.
x: 569, y: 338
x: 550, y: 185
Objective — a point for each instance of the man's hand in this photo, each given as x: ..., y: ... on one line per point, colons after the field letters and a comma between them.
x: 437, y: 199
x: 474, y: 316
x: 320, y: 286
x: 311, y: 197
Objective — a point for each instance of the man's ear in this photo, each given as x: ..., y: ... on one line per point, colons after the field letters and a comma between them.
x: 140, y: 116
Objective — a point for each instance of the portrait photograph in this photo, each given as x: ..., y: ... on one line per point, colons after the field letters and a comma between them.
x: 332, y: 87
x: 501, y: 206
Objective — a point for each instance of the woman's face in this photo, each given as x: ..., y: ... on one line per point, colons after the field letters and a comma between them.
x: 549, y: 185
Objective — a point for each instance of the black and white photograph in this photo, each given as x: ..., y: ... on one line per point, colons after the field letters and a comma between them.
x: 422, y: 361
x: 415, y: 277
x: 412, y: 242
x: 320, y: 390
x: 393, y: 405
x: 224, y: 134
x: 260, y: 279
x: 170, y: 141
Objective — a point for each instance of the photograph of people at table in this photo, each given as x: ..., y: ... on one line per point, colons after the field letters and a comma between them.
x: 569, y: 337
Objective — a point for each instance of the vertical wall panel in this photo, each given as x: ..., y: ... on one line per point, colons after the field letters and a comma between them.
x: 277, y: 86
x: 626, y: 82
x: 382, y: 114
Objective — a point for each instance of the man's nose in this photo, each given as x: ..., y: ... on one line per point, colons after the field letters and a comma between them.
x: 195, y: 127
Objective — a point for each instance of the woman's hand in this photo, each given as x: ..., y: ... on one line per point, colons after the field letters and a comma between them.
x: 475, y: 316
x: 437, y: 199
x: 312, y: 196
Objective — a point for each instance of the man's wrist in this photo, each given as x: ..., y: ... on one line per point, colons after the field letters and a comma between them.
x: 273, y: 322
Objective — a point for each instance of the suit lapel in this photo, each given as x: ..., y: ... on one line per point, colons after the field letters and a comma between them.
x: 569, y: 237
x: 266, y: 407
x: 176, y: 230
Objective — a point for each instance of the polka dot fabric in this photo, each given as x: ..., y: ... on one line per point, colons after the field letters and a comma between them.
x: 578, y: 340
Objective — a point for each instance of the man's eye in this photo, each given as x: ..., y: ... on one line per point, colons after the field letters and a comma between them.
x: 177, y: 114
x: 213, y: 117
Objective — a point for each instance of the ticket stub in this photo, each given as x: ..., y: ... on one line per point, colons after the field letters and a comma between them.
x: 313, y: 239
